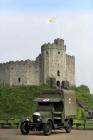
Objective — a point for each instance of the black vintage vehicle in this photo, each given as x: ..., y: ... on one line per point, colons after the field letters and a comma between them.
x: 56, y: 109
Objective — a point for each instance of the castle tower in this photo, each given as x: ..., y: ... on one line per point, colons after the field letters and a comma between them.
x: 54, y: 61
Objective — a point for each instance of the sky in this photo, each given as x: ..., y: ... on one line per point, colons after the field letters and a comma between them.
x: 24, y: 28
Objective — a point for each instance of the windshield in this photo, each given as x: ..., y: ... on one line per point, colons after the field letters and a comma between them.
x: 44, y: 106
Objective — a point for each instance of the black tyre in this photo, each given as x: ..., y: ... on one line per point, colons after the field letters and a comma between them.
x: 68, y: 127
x: 47, y: 128
x: 24, y: 128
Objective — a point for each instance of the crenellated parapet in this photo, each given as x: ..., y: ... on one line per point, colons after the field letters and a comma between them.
x: 70, y: 60
x: 57, y: 44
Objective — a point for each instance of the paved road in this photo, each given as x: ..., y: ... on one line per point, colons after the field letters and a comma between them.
x: 14, y: 134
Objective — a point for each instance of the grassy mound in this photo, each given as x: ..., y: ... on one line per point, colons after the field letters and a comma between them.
x: 84, y: 96
x: 17, y: 101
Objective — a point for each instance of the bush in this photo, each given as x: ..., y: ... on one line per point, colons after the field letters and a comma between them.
x: 80, y: 113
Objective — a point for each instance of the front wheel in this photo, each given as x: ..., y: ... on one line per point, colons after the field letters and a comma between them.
x: 24, y: 128
x: 68, y: 127
x: 47, y: 128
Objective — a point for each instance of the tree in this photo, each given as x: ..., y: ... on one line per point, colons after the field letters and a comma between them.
x: 83, y: 88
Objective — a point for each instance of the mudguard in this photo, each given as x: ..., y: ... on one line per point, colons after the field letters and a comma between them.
x: 25, y: 119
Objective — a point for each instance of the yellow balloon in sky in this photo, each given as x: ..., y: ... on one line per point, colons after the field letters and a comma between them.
x: 51, y: 20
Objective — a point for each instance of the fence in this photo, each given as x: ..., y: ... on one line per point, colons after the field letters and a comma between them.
x: 9, y: 123
x: 84, y: 124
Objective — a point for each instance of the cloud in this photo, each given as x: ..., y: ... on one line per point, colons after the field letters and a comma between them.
x: 21, y: 36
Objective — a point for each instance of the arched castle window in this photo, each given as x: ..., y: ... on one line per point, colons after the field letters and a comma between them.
x: 46, y: 52
x: 19, y: 79
x: 58, y: 73
x: 58, y: 52
x: 58, y: 83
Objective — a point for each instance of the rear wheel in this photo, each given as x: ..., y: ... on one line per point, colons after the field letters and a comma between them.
x: 68, y: 127
x: 47, y: 128
x: 24, y: 128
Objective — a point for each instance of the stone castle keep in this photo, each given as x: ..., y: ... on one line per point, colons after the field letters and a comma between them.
x: 53, y: 62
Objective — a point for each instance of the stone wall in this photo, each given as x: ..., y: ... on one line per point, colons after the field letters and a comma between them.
x: 5, y: 73
x: 70, y: 69
x: 24, y: 73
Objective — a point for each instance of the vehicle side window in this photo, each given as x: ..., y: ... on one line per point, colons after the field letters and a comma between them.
x: 58, y: 107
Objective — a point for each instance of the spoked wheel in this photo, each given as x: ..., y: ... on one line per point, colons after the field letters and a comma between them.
x: 47, y: 128
x: 68, y: 127
x: 24, y: 128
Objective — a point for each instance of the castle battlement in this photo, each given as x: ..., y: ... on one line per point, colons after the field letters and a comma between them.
x: 17, y: 62
x: 57, y: 44
x: 70, y: 56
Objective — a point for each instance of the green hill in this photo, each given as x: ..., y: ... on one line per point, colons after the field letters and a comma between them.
x: 84, y: 96
x: 17, y: 101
